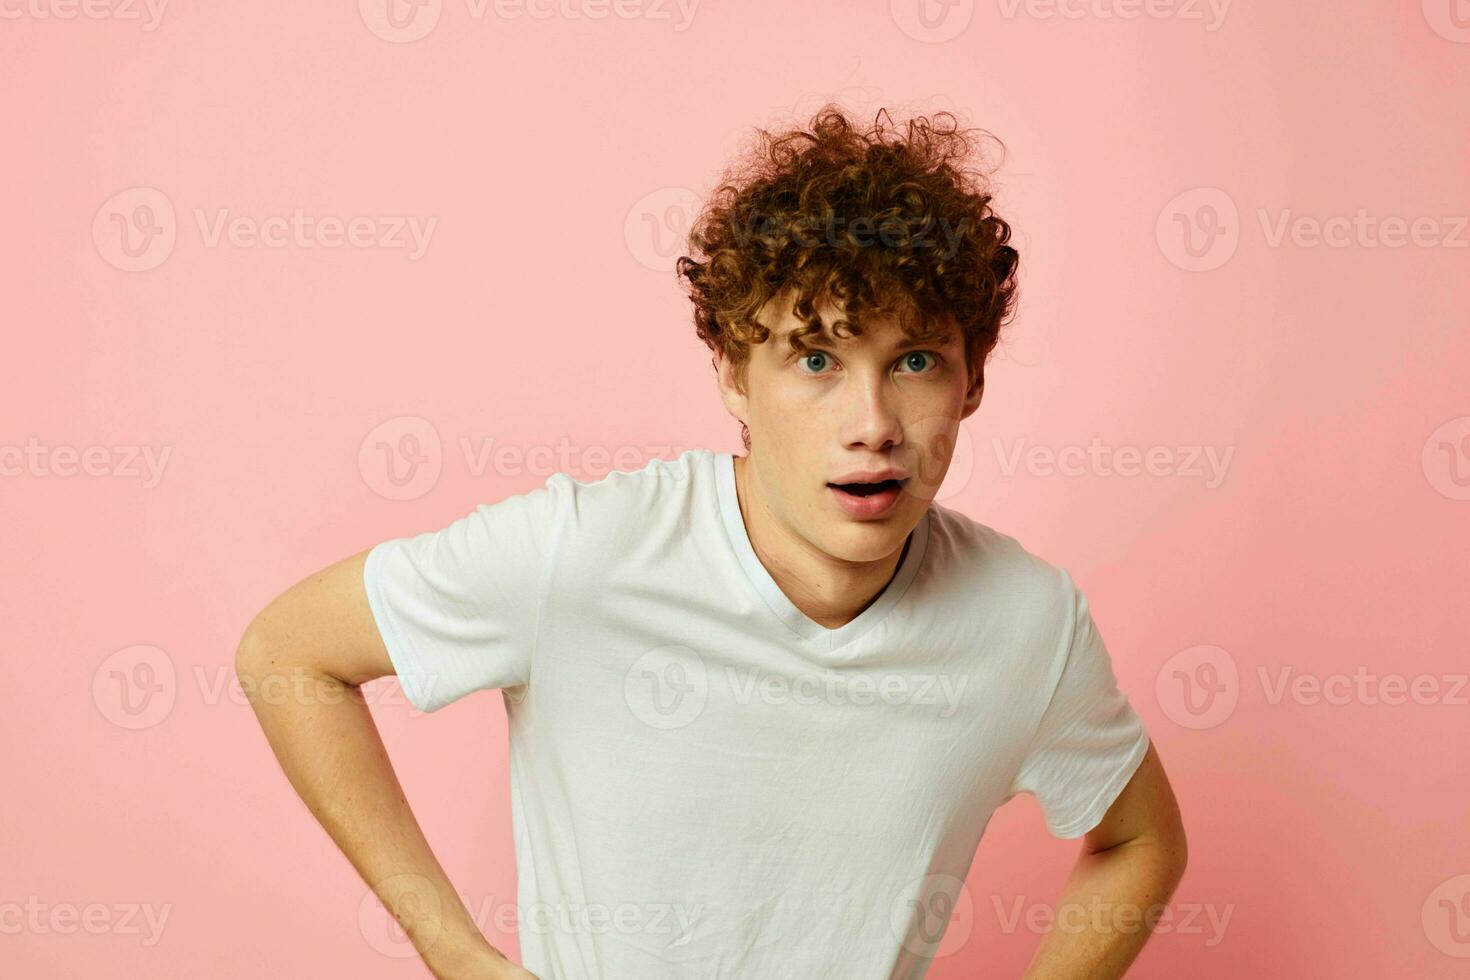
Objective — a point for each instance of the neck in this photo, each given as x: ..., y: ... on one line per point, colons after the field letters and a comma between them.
x: 828, y: 590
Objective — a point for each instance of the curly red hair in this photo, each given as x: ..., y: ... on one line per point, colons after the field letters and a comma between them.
x: 877, y: 220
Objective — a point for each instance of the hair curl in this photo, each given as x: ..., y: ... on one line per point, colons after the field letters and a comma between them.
x: 878, y: 221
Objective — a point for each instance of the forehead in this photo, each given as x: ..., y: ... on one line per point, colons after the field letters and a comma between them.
x: 883, y: 332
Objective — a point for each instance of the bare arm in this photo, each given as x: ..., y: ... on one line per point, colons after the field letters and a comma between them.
x: 301, y: 663
x: 1131, y: 862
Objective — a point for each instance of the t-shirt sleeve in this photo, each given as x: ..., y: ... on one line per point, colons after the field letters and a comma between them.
x: 459, y: 608
x: 1090, y: 740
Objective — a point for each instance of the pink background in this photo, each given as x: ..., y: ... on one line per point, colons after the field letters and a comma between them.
x: 1331, y: 831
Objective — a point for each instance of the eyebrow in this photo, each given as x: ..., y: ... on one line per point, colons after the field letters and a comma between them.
x: 824, y: 336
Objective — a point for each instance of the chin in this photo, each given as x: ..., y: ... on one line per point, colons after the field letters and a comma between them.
x: 871, y: 540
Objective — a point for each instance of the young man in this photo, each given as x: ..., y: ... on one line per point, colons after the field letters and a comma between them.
x: 761, y: 707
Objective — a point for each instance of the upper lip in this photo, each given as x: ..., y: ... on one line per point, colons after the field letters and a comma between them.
x: 872, y: 476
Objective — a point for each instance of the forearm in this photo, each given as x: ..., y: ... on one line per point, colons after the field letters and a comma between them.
x: 324, y: 737
x: 1109, y: 904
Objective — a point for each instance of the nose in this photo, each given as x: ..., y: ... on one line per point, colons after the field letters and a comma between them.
x: 869, y: 421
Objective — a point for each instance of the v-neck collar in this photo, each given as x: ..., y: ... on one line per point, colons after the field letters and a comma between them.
x: 808, y: 630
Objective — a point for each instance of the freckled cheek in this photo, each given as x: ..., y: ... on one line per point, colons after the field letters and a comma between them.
x: 923, y: 411
x: 796, y: 407
x: 944, y: 399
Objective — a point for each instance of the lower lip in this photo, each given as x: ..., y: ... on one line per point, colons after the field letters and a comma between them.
x: 873, y: 505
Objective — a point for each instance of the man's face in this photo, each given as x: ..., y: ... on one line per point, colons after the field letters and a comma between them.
x: 850, y: 407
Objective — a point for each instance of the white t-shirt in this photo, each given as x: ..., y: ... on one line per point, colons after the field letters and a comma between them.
x: 707, y: 783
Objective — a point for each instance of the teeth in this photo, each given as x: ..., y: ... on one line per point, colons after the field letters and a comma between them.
x: 868, y: 489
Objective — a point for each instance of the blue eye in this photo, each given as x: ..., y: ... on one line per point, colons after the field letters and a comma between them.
x: 814, y: 355
x: 908, y: 358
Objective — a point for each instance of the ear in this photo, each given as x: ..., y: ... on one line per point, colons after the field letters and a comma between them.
x: 736, y: 401
x: 973, y: 395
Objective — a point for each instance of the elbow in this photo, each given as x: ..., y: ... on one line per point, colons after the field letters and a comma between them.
x: 1175, y: 850
x: 253, y: 655
x: 1180, y: 840
x: 1172, y: 843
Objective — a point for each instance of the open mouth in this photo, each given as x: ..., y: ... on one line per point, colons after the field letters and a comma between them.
x: 867, y: 489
